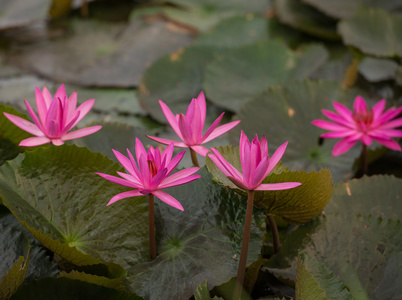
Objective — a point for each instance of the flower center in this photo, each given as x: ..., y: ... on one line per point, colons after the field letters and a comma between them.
x: 152, y: 168
x: 363, y: 118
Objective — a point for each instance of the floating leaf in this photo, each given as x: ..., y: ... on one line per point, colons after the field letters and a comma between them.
x: 243, y: 73
x: 343, y: 9
x: 104, y: 54
x: 175, y: 79
x: 17, y: 13
x: 10, y: 135
x: 363, y: 250
x: 201, y: 243
x: 68, y: 289
x: 113, y: 283
x: 202, y: 292
x: 315, y: 281
x: 56, y: 195
x: 305, y: 18
x: 284, y: 113
x: 297, y: 205
x: 373, y: 31
x: 377, y: 69
x: 234, y: 32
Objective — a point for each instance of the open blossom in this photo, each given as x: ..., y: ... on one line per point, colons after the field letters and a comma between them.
x: 189, y: 126
x: 256, y: 165
x: 56, y: 117
x: 362, y: 124
x: 152, y: 173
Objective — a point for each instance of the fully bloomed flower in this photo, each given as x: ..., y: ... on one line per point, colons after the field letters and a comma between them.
x: 152, y: 173
x: 56, y: 117
x: 362, y: 124
x: 189, y: 126
x: 256, y: 165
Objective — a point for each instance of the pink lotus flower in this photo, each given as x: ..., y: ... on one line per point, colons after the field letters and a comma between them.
x: 56, y: 117
x: 256, y: 165
x: 152, y: 174
x: 362, y: 124
x: 189, y: 126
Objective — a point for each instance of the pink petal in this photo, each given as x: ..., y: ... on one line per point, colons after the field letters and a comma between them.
x: 81, y: 132
x: 167, y: 155
x: 392, y: 124
x: 186, y: 130
x: 41, y: 105
x: 197, y: 124
x: 57, y: 142
x: 276, y: 157
x: 329, y: 125
x: 171, y: 119
x: 34, y: 141
x: 246, y: 163
x: 34, y: 117
x: 258, y: 175
x: 70, y: 125
x: 47, y: 97
x: 388, y: 115
x: 212, y: 128
x: 134, y: 193
x: 243, y: 143
x: 337, y: 134
x: 84, y: 108
x: 131, y: 178
x: 338, y: 119
x: 201, y: 150
x: 224, y: 166
x: 366, y: 139
x: 180, y: 177
x: 118, y: 180
x: 383, y: 133
x: 378, y: 108
x: 203, y: 107
x: 174, y: 162
x: 391, y: 144
x: 72, y: 105
x: 125, y: 162
x: 24, y: 124
x: 264, y: 146
x: 61, y: 92
x: 220, y: 130
x: 53, y: 118
x: 343, y: 111
x: 342, y: 146
x: 136, y: 172
x: 144, y: 169
x: 240, y: 183
x: 167, y: 142
x: 158, y: 178
x: 277, y: 186
x: 140, y: 151
x: 168, y: 199
x: 359, y: 105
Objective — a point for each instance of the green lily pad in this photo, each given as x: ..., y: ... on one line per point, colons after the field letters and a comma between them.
x: 17, y: 13
x: 362, y: 249
x: 284, y: 113
x: 56, y: 195
x: 113, y: 283
x: 69, y: 289
x: 10, y: 135
x: 104, y: 54
x: 306, y: 18
x: 175, y: 79
x: 243, y: 73
x: 15, y: 243
x: 201, y: 243
x: 298, y: 205
x: 204, y: 14
x: 315, y: 281
x: 202, y: 292
x: 342, y: 9
x: 234, y: 32
x: 373, y: 31
x: 377, y: 69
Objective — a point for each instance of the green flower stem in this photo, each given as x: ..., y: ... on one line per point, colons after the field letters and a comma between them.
x: 194, y: 158
x: 364, y: 160
x: 275, y: 234
x: 244, y: 247
x: 151, y: 224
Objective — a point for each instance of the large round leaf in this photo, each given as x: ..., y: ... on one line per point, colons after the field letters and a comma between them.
x: 175, y: 79
x: 242, y: 73
x: 56, y: 195
x: 343, y: 9
x: 297, y: 205
x: 103, y: 54
x: 355, y: 239
x: 377, y: 69
x: 68, y: 289
x: 235, y: 31
x: 284, y: 113
x: 305, y: 18
x: 201, y: 243
x: 17, y: 13
x: 373, y: 31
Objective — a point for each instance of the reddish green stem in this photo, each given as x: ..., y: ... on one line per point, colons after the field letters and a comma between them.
x: 194, y: 158
x: 151, y: 225
x: 275, y: 233
x: 244, y: 247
